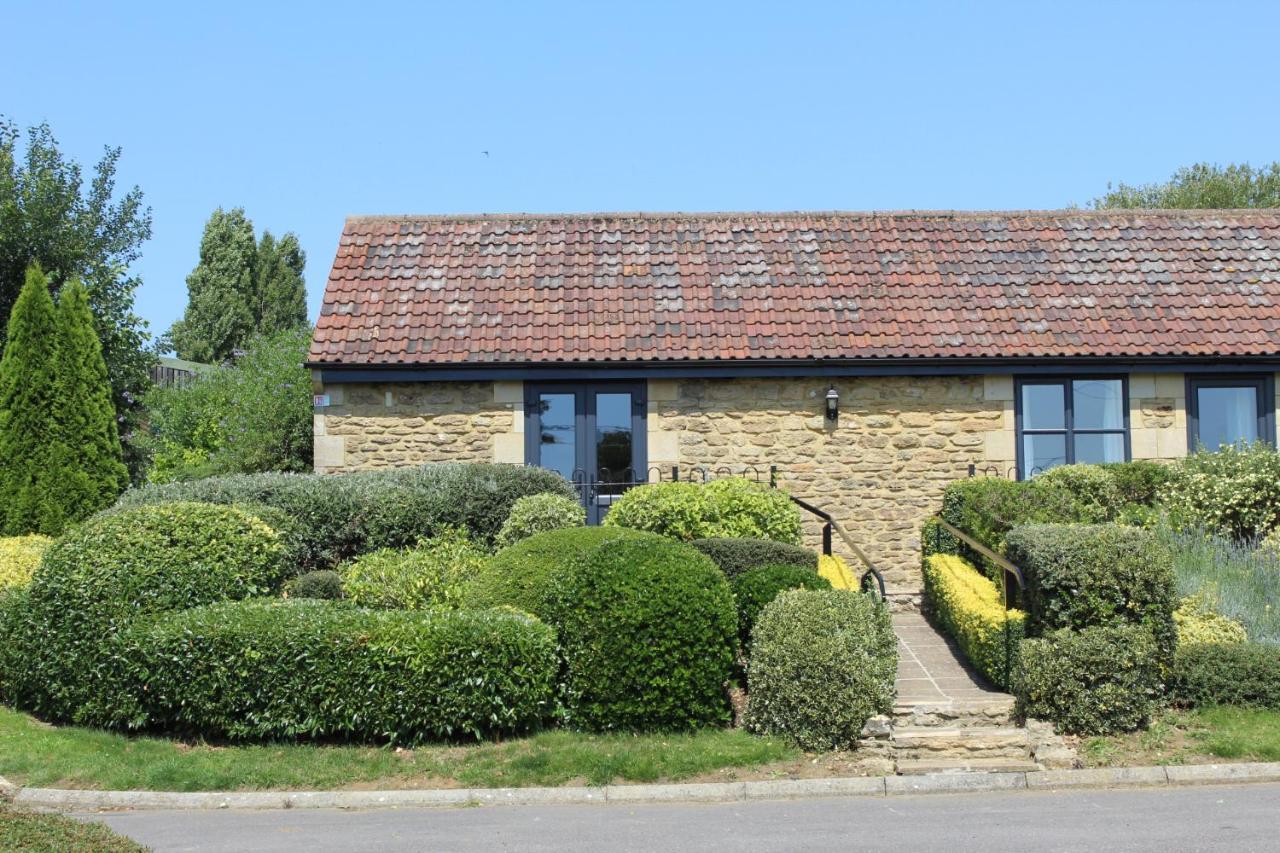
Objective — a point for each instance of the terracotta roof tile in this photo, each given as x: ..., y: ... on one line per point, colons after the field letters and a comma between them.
x: 601, y: 287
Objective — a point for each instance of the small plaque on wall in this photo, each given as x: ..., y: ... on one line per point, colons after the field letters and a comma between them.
x: 320, y: 400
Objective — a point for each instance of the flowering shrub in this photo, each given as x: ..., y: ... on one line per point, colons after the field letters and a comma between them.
x: 19, y: 556
x: 1234, y: 491
x: 970, y: 608
x: 732, y: 507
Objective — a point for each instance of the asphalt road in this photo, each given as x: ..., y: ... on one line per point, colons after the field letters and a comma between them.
x: 1236, y: 818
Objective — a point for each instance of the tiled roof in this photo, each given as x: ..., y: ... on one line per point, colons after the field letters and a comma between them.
x: 408, y: 290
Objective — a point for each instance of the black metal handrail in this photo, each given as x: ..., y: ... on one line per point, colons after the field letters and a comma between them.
x: 1010, y: 570
x: 828, y: 525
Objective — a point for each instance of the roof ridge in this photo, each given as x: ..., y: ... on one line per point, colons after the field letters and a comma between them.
x: 1046, y: 213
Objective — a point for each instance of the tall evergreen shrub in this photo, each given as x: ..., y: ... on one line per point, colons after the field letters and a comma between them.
x: 34, y: 460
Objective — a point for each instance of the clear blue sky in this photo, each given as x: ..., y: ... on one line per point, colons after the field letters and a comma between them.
x: 307, y: 113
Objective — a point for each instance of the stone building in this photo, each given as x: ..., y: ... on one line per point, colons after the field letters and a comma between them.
x: 870, y: 358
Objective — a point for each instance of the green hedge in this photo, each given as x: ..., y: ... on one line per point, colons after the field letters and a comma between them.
x: 732, y: 507
x: 1092, y: 682
x: 1080, y: 576
x: 58, y: 650
x: 647, y: 629
x: 435, y: 573
x: 737, y: 555
x: 822, y: 663
x: 1246, y: 674
x: 316, y: 669
x: 537, y: 514
x: 325, y: 584
x: 755, y: 588
x: 522, y: 574
x: 342, y: 516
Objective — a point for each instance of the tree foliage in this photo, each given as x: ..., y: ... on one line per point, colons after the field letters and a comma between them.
x: 33, y: 458
x: 87, y: 417
x: 1203, y: 185
x: 247, y: 416
x: 74, y: 230
x: 239, y: 289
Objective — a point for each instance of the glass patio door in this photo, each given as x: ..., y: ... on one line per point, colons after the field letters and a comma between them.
x: 592, y: 433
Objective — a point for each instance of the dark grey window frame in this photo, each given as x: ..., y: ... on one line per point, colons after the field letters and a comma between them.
x: 1263, y: 384
x: 585, y: 475
x: 1069, y: 429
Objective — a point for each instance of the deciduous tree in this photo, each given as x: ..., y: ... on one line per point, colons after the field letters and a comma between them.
x: 1203, y: 185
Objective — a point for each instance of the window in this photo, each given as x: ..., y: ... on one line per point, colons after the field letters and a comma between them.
x: 1229, y: 410
x: 1062, y: 421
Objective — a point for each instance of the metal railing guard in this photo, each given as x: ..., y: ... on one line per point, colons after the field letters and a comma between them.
x: 1009, y: 568
x: 828, y: 525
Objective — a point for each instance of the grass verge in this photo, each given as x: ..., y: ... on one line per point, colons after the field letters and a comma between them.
x: 49, y: 833
x: 1201, y: 736
x: 36, y: 754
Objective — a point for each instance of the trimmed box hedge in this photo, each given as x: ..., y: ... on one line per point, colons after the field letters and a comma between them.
x: 315, y: 669
x: 733, y: 507
x: 1097, y: 681
x: 737, y: 555
x: 822, y: 663
x: 1081, y: 576
x: 755, y: 588
x: 971, y: 609
x: 341, y: 516
x: 58, y: 653
x: 1245, y: 674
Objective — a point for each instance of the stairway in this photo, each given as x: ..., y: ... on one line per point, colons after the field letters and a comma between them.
x: 948, y: 720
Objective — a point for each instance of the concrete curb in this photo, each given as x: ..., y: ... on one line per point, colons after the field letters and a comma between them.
x: 709, y: 792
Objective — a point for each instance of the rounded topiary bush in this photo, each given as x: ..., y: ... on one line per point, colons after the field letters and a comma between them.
x: 59, y: 658
x: 433, y: 574
x: 538, y: 514
x: 646, y: 629
x: 755, y: 588
x: 736, y: 555
x: 732, y: 507
x: 521, y: 574
x: 325, y: 585
x: 822, y: 664
x: 318, y: 669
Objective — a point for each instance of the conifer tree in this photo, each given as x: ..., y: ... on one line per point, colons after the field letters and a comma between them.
x: 88, y: 421
x: 281, y: 290
x: 34, y: 471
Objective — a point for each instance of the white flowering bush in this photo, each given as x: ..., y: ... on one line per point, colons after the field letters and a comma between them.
x: 1234, y: 491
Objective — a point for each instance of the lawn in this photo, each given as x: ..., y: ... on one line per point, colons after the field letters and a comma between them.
x: 1192, y: 737
x: 48, y: 833
x: 36, y: 754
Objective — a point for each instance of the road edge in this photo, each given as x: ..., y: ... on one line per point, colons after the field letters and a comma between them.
x: 705, y: 792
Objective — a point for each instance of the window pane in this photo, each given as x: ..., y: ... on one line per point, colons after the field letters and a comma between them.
x: 558, y: 444
x: 1097, y: 404
x: 613, y: 438
x: 1100, y: 447
x: 1044, y: 407
x: 1042, y: 452
x: 1227, y: 415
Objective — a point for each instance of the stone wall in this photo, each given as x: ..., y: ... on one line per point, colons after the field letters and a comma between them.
x: 880, y: 469
x: 393, y: 425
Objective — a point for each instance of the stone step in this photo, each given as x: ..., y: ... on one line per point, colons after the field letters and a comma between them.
x: 952, y: 715
x: 962, y: 743
x: 921, y: 766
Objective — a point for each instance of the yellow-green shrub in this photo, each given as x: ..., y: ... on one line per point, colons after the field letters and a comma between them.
x: 19, y: 556
x: 1198, y: 622
x: 837, y: 572
x: 970, y: 609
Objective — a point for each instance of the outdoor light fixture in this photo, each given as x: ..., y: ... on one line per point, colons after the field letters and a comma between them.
x: 833, y: 404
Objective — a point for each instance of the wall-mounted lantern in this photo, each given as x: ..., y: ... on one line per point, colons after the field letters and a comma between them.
x: 833, y: 404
